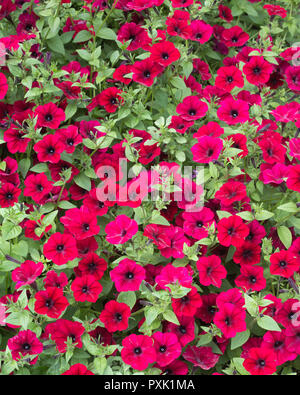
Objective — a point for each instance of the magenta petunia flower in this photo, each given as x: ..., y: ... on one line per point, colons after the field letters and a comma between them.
x: 121, y: 230
x: 138, y: 351
x: 27, y: 273
x: 128, y: 275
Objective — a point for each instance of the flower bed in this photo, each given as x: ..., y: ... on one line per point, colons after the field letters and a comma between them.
x: 150, y: 179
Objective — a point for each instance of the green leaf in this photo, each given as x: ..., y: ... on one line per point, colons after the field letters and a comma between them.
x: 285, y: 236
x: 178, y: 83
x: 99, y: 365
x: 71, y: 109
x: 83, y: 181
x: 24, y: 166
x: 240, y: 339
x: 49, y: 218
x: 56, y: 45
x: 170, y: 316
x: 158, y: 219
x: 238, y: 364
x: 204, y: 339
x: 10, y: 230
x: 107, y: 34
x: 82, y: 36
x: 251, y: 305
x: 268, y: 323
x: 290, y: 207
x: 128, y: 297
x: 223, y: 214
x: 39, y: 168
x: 150, y: 314
x: 263, y: 215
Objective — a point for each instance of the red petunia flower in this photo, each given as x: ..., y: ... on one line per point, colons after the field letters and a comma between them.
x: 228, y: 78
x: 230, y: 192
x: 37, y: 186
x: 86, y: 288
x: 50, y: 302
x: 261, y: 361
x: 196, y: 224
x: 49, y: 148
x: 247, y: 254
x: 192, y: 108
x: 207, y: 149
x: 62, y: 329
x: 277, y: 342
x: 201, y: 356
x: 273, y: 9
x: 115, y: 316
x: 174, y: 275
x: 231, y: 320
x: 78, y: 370
x: 258, y: 70
x: 232, y: 230
x: 185, y: 331
x: 91, y: 264
x: 200, y: 31
x: 138, y: 351
x: 24, y: 343
x: 9, y: 194
x: 233, y: 111
x: 167, y: 347
x: 188, y: 304
x: 211, y: 271
x: 70, y: 138
x: 235, y: 37
x: 26, y: 273
x: 134, y: 33
x: 251, y: 277
x: 54, y: 279
x: 164, y: 53
x: 80, y: 222
x: 60, y: 248
x: 3, y: 86
x: 293, y: 181
x: 225, y: 13
x: 121, y: 230
x: 49, y: 116
x: 145, y: 71
x: 283, y: 264
x: 127, y: 276
x: 208, y: 309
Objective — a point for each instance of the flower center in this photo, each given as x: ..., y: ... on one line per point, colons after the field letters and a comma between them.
x: 26, y: 346
x: 129, y: 275
x: 50, y: 150
x: 162, y: 349
x: 49, y: 303
x: 60, y: 247
x: 48, y: 117
x: 262, y: 363
x: 118, y: 317
x: 137, y: 350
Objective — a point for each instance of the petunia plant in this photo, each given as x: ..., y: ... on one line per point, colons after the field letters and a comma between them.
x: 149, y: 187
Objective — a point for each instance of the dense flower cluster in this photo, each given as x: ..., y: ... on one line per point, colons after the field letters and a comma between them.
x: 149, y: 187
